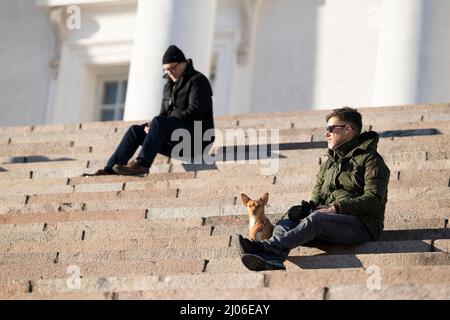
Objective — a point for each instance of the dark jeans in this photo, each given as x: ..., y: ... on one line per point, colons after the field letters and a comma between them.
x: 315, y: 230
x: 158, y: 140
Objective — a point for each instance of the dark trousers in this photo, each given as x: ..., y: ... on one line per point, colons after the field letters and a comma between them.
x: 315, y: 230
x: 158, y: 140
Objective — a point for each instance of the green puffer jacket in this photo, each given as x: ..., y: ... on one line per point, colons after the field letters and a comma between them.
x: 355, y: 180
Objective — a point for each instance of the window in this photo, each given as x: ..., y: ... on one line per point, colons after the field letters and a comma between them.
x: 113, y: 94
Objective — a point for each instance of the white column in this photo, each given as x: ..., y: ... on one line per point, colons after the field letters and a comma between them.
x: 160, y: 23
x: 398, y: 59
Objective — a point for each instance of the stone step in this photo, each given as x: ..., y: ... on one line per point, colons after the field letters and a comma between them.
x: 294, y: 263
x: 240, y: 284
x: 285, y: 167
x: 128, y: 179
x: 326, y: 278
x: 103, y: 251
x: 303, y: 144
x: 427, y: 110
x: 27, y: 182
x: 117, y: 131
x: 127, y: 284
x: 435, y: 291
x: 41, y: 190
x: 440, y: 126
x: 285, y: 135
x: 72, y: 216
x: 43, y: 208
x: 289, y: 120
x: 441, y: 245
x: 390, y: 223
x: 110, y: 135
x: 317, y: 117
x: 437, y: 142
x: 66, y: 154
x: 282, y: 121
x: 205, y: 244
x: 58, y: 296
x: 15, y: 175
x: 412, y: 211
x: 11, y: 199
x: 314, y: 117
x: 310, y: 164
x: 417, y: 212
x: 33, y: 149
x: 160, y: 230
x: 302, y: 280
x: 4, y: 131
x: 218, y: 206
x: 219, y: 294
x: 401, y: 178
x: 36, y: 233
x: 48, y: 266
x: 289, y: 160
x: 291, y: 166
x: 78, y: 137
x: 391, y: 226
x: 151, y: 198
x: 37, y: 166
x: 98, y: 194
x: 87, y: 230
x: 132, y: 220
x: 418, y: 234
x: 108, y: 268
x: 30, y: 187
x: 200, y: 294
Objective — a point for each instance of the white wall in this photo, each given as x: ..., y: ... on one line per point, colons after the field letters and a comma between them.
x: 102, y: 45
x: 285, y: 55
x: 346, y: 53
x: 434, y: 84
x: 26, y: 48
x: 314, y: 54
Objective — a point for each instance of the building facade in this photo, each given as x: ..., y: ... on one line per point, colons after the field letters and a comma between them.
x: 66, y: 61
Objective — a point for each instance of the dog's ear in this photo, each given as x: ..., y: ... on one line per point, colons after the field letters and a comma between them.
x: 245, y: 199
x: 265, y: 198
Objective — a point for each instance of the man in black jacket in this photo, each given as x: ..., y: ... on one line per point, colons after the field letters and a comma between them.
x: 187, y: 101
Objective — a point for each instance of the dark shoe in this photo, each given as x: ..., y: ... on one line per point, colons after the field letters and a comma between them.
x: 134, y: 168
x: 101, y: 172
x: 260, y: 262
x: 245, y: 245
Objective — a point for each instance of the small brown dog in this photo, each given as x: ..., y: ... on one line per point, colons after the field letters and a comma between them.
x: 259, y: 226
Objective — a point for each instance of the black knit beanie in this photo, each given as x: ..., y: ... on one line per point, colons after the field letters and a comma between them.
x: 173, y: 54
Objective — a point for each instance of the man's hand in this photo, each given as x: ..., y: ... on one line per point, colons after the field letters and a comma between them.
x: 147, y: 127
x: 325, y: 209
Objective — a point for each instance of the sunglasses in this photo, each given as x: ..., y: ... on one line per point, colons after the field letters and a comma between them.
x: 171, y: 68
x: 330, y: 129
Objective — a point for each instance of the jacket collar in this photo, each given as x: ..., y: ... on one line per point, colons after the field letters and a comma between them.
x: 366, y: 140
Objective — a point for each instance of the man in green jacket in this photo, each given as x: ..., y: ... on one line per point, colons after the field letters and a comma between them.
x: 348, y: 202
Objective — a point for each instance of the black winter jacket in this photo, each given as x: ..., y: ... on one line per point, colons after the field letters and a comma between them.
x: 189, y: 99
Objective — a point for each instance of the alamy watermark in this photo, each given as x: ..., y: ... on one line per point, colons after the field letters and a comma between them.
x: 373, y: 17
x: 374, y: 279
x: 73, y: 21
x: 74, y: 281
x: 231, y: 146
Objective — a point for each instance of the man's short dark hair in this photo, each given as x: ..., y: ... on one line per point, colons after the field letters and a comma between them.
x: 349, y: 115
